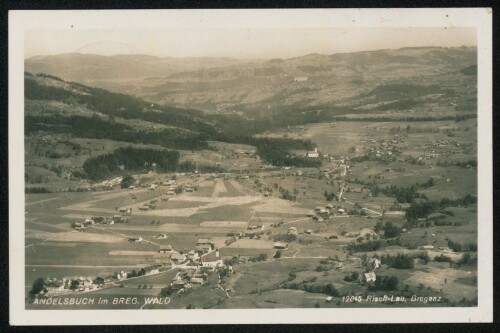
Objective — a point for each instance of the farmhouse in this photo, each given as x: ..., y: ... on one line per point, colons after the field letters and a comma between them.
x: 323, y: 211
x: 118, y: 219
x: 54, y: 285
x: 292, y: 231
x: 313, y: 154
x: 204, y: 241
x: 88, y: 222
x: 197, y: 280
x: 280, y: 246
x: 204, y: 248
x: 165, y: 249
x: 178, y: 285
x: 125, y: 211
x: 212, y: 259
x: 178, y: 258
x: 161, y: 236
x: 369, y: 277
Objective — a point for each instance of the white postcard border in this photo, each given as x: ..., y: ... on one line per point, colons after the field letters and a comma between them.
x: 21, y: 21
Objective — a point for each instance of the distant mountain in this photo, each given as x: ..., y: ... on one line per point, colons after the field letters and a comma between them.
x: 86, y: 68
x: 364, y: 80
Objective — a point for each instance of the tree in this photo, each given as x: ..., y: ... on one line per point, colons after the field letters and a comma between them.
x: 37, y: 286
x: 331, y: 290
x: 262, y: 257
x: 390, y: 230
x: 127, y: 181
x: 466, y: 258
x: 74, y: 284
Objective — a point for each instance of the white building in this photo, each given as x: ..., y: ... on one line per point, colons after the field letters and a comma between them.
x: 313, y: 154
x: 212, y: 259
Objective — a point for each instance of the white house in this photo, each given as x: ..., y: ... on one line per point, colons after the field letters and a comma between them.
x: 212, y: 259
x: 370, y: 277
x: 313, y: 154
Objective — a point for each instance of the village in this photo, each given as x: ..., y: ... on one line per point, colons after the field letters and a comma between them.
x: 371, y: 206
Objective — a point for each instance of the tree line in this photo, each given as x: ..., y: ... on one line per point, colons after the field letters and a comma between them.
x: 130, y: 159
x: 423, y: 209
x: 96, y: 128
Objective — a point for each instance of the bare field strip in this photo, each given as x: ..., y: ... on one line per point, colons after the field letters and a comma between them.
x: 219, y: 188
x: 273, y: 205
x: 251, y: 244
x: 59, y: 244
x: 41, y: 201
x: 40, y: 226
x: 85, y: 237
x: 213, y: 203
x: 225, y: 224
x: 131, y: 253
x: 76, y: 216
x: 243, y: 189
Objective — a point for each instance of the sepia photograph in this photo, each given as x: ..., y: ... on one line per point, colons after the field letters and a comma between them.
x: 250, y: 166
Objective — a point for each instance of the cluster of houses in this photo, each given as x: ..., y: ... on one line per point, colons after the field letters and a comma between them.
x: 370, y: 276
x: 186, y: 280
x: 203, y: 255
x: 385, y: 152
x: 321, y: 213
x: 85, y: 284
x: 117, y: 218
x: 443, y: 148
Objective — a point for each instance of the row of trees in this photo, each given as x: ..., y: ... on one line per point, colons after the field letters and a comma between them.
x: 328, y: 289
x: 130, y: 159
x: 400, y: 261
x: 423, y: 209
x: 390, y: 230
x: 373, y: 245
x: 402, y: 194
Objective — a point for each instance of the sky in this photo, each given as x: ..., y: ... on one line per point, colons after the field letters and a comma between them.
x: 235, y: 42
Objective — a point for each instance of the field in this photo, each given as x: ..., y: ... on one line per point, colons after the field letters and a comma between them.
x: 429, y: 157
